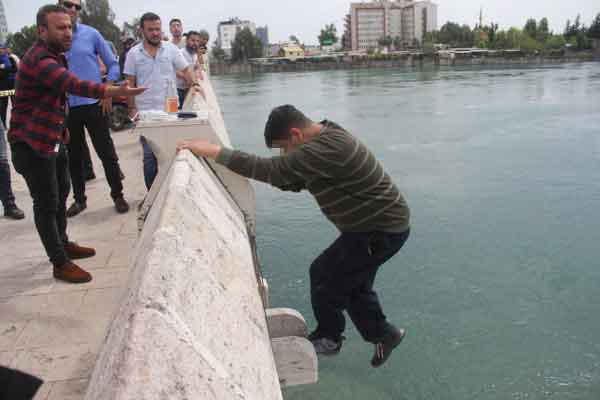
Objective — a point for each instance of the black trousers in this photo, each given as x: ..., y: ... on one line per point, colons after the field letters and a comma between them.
x: 91, y: 117
x: 4, y: 107
x: 342, y: 278
x: 49, y: 186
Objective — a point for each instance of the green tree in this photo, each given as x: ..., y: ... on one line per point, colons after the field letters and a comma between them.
x: 543, y: 31
x: 455, y: 35
x: 217, y: 52
x: 21, y: 41
x: 294, y: 39
x: 328, y: 35
x: 555, y: 42
x: 132, y: 29
x: 529, y: 45
x: 97, y: 13
x: 385, y: 41
x: 246, y: 45
x: 594, y: 30
x: 397, y: 42
x: 531, y: 28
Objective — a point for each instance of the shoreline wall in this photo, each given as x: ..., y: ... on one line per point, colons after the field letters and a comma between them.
x: 406, y: 62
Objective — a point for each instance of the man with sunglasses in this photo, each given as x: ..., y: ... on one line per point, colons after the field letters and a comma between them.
x: 92, y: 114
x: 356, y: 194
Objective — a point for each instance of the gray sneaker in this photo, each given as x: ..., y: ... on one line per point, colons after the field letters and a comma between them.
x: 327, y: 347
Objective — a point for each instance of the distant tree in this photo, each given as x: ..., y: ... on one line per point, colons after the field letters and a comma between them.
x: 21, y: 41
x: 397, y: 42
x: 246, y: 45
x: 294, y: 39
x: 455, y: 35
x: 217, y: 52
x: 97, y: 13
x: 543, y: 31
x: 531, y: 28
x: 328, y: 35
x: 132, y: 29
x: 555, y: 42
x: 385, y: 41
x: 529, y: 45
x: 594, y: 30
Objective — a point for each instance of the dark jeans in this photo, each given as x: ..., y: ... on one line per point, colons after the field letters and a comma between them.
x: 4, y: 106
x: 150, y: 163
x: 6, y: 194
x: 91, y: 117
x: 49, y: 186
x: 342, y: 278
x: 182, y: 94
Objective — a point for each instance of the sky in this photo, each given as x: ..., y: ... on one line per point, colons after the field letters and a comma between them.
x: 305, y: 18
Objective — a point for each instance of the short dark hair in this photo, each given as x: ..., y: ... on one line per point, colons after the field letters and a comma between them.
x: 175, y: 20
x: 191, y: 33
x: 281, y: 120
x: 42, y: 14
x: 149, y: 16
x: 204, y: 34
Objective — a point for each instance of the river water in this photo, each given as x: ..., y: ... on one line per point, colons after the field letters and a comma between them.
x: 499, y: 284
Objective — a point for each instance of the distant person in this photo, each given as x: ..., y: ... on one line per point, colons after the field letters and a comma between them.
x: 37, y: 135
x: 190, y: 53
x: 203, y: 54
x: 176, y: 29
x: 140, y: 69
x: 7, y: 196
x: 88, y: 54
x: 8, y: 71
x: 357, y: 196
x: 128, y: 43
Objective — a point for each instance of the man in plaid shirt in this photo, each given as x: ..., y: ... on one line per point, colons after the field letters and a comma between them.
x: 37, y: 135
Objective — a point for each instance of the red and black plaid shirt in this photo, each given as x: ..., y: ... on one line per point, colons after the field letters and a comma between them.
x: 39, y: 110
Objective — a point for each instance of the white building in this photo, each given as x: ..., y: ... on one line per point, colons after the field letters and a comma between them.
x: 227, y: 30
x: 404, y: 19
x: 3, y: 23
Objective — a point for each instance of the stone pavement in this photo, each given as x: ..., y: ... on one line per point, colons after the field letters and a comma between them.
x: 51, y: 329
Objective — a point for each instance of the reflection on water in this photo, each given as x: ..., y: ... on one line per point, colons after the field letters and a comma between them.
x: 498, y: 285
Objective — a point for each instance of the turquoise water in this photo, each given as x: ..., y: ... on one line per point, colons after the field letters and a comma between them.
x: 499, y: 284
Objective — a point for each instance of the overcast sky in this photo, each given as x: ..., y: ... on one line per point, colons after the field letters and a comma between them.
x: 306, y: 17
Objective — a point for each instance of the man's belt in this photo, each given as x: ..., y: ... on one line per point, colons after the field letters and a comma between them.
x: 7, y: 93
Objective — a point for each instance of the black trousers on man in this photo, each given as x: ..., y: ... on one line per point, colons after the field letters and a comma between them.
x: 49, y: 185
x: 342, y: 278
x: 91, y: 117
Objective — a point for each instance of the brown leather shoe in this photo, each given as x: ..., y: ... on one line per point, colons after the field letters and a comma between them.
x: 71, y: 273
x: 76, y: 252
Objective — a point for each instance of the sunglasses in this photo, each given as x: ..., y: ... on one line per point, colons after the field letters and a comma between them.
x: 69, y: 5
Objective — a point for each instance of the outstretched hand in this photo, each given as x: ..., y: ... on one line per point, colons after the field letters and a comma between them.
x: 200, y: 147
x: 124, y: 90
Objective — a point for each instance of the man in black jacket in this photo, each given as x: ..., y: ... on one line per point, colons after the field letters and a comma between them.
x: 8, y: 71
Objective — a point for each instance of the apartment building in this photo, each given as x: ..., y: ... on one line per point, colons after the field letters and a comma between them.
x: 408, y: 20
x: 227, y: 30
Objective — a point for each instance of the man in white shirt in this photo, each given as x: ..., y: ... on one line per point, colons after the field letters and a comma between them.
x: 153, y: 64
x: 176, y: 28
x: 190, y: 53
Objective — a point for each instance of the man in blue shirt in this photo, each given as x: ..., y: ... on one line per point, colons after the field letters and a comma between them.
x: 89, y: 46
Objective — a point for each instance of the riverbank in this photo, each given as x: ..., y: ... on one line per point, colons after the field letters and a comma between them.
x: 388, y: 62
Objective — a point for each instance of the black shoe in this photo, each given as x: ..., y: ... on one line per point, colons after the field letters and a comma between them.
x: 14, y: 212
x: 121, y: 205
x: 384, y: 349
x: 75, y: 209
x: 90, y: 176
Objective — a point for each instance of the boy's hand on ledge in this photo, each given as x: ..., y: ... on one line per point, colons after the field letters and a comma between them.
x: 200, y: 147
